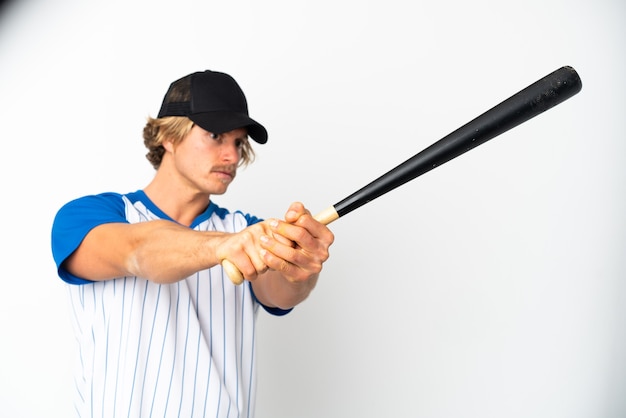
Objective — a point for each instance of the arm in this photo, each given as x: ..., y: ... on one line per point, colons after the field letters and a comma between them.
x: 282, y: 259
x: 161, y: 251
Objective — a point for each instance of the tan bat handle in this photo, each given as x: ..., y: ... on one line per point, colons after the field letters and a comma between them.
x: 325, y: 217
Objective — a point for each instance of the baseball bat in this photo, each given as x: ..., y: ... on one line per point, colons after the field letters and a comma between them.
x: 533, y: 100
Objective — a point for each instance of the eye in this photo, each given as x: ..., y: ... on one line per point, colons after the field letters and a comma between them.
x: 215, y: 136
x: 239, y: 143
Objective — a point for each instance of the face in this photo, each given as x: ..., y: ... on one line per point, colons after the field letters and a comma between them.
x: 208, y: 162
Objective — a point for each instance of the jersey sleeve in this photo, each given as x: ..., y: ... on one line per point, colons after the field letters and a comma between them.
x: 74, y: 221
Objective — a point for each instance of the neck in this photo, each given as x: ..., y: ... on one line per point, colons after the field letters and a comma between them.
x: 180, y: 203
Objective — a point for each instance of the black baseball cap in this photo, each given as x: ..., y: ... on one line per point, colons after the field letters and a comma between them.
x: 212, y: 100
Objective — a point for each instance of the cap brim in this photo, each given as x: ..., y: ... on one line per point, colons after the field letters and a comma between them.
x: 220, y: 122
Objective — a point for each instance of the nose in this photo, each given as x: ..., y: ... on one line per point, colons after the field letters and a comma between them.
x: 230, y: 152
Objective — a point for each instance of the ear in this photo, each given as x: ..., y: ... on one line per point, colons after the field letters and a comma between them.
x: 168, y: 145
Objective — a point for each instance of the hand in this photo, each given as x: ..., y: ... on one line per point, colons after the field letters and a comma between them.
x: 298, y: 246
x: 240, y: 253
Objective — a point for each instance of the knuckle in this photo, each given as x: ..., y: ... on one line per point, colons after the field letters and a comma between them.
x: 260, y: 268
x: 324, y: 255
x: 283, y: 266
x: 299, y: 234
x: 303, y: 219
x: 247, y: 236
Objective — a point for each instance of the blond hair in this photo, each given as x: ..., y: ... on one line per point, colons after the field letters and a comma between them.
x: 176, y: 128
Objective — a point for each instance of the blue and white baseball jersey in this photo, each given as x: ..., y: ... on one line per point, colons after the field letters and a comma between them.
x: 164, y: 350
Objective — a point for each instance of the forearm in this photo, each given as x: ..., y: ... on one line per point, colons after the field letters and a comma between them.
x: 272, y: 289
x: 160, y: 251
x: 169, y: 253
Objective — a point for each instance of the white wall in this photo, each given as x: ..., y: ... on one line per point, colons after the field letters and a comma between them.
x: 492, y: 286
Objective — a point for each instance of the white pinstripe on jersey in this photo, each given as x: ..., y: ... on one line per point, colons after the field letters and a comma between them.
x: 179, y: 350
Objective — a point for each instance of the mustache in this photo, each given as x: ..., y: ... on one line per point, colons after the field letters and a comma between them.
x: 229, y: 168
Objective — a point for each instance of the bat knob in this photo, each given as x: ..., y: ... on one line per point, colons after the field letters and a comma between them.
x: 232, y: 272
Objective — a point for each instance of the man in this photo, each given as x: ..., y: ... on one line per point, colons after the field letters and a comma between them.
x: 161, y: 329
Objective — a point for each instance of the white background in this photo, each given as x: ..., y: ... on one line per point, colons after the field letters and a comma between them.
x: 492, y: 286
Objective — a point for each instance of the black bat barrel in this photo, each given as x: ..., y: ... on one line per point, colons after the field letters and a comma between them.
x: 540, y: 96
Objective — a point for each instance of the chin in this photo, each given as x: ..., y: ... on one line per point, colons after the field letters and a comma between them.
x: 217, y: 191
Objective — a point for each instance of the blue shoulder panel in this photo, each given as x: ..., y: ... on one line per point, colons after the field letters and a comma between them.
x: 74, y: 221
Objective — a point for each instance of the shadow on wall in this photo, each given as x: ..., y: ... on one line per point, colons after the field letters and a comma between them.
x: 4, y: 6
